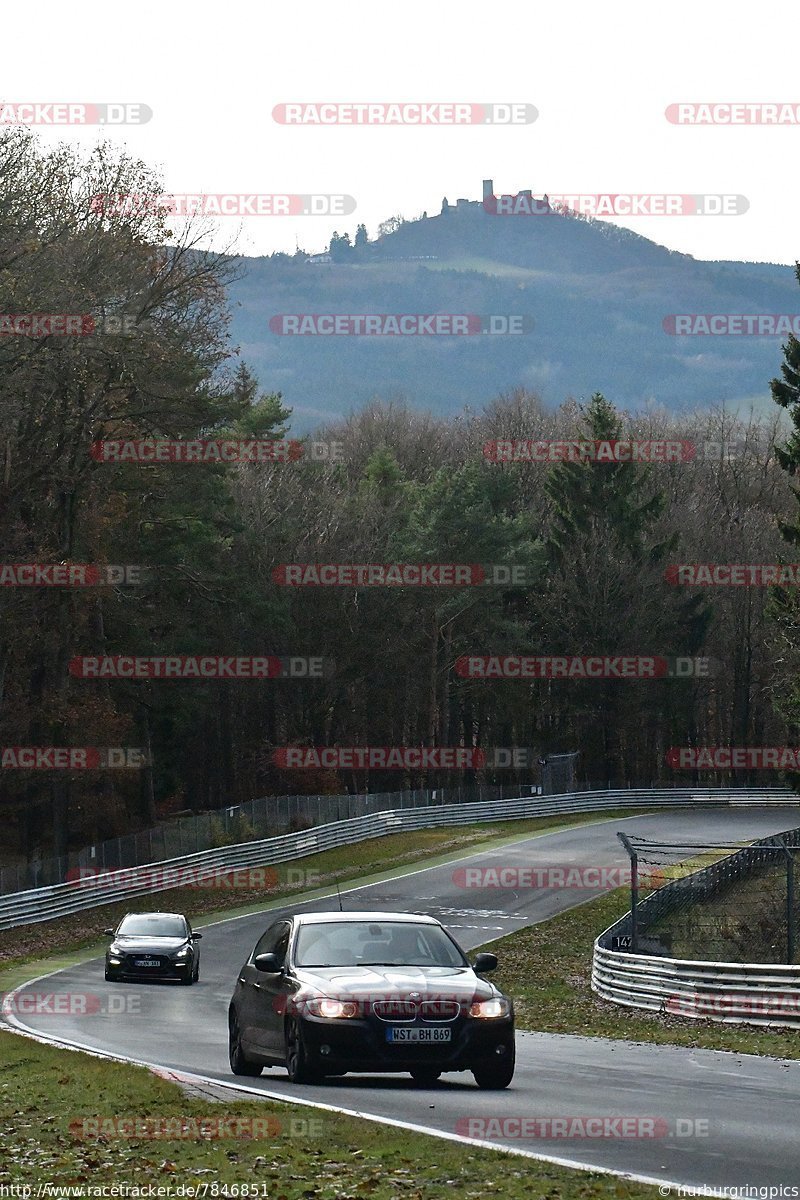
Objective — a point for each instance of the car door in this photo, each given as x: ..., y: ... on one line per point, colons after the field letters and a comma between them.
x: 250, y: 996
x: 271, y: 991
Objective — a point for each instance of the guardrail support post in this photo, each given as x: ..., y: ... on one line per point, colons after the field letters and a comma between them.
x: 634, y: 891
x: 790, y: 915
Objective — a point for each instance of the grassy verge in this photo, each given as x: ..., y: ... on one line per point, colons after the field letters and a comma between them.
x: 30, y: 944
x: 295, y: 1152
x: 547, y: 969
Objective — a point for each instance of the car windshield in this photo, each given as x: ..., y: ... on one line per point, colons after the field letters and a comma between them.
x: 155, y: 925
x: 373, y: 943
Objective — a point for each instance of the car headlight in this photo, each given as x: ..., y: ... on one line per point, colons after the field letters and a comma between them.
x: 498, y: 1006
x: 326, y: 1006
x: 182, y: 953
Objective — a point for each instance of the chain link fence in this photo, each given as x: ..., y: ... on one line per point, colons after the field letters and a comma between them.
x: 265, y: 817
x: 716, y: 902
x: 269, y: 816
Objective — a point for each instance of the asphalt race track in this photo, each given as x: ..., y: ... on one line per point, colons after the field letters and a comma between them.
x: 751, y: 1105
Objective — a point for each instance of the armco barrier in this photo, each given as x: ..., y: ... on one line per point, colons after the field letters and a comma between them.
x: 44, y: 904
x: 751, y: 993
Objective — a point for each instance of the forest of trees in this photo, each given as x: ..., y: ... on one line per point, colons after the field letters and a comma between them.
x: 595, y: 538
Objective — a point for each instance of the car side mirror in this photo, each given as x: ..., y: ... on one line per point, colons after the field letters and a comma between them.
x: 108, y: 933
x: 267, y: 963
x: 484, y: 963
x: 196, y: 937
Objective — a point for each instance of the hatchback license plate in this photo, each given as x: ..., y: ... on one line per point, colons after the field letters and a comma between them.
x: 414, y: 1034
x: 145, y: 962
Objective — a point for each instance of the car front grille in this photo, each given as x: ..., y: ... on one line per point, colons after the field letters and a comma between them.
x: 439, y: 1010
x: 395, y: 1010
x: 410, y: 1010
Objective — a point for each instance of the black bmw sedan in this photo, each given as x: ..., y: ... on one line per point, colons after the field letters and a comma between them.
x: 327, y: 993
x: 153, y: 946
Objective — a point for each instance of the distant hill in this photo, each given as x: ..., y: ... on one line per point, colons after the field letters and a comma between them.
x: 598, y: 295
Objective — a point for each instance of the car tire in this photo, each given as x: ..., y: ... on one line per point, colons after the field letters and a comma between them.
x: 108, y: 977
x: 298, y: 1066
x: 240, y: 1065
x: 425, y: 1076
x: 494, y: 1076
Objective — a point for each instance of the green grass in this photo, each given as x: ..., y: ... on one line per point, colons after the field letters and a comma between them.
x: 547, y: 970
x: 297, y: 1154
x: 363, y: 862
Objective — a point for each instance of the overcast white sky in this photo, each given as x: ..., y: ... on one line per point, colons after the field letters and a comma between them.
x: 600, y: 76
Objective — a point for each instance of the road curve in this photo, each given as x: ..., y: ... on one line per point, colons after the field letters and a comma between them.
x: 751, y: 1105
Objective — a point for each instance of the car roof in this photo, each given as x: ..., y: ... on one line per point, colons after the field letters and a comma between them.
x: 316, y: 918
x: 155, y: 914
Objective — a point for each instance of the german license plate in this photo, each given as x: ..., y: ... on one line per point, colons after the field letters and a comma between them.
x: 146, y: 962
x: 400, y: 1034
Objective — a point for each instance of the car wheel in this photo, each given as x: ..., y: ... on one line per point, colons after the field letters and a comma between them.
x: 109, y: 977
x: 426, y: 1076
x: 187, y: 980
x: 494, y: 1076
x: 239, y: 1064
x: 297, y: 1063
x: 197, y: 972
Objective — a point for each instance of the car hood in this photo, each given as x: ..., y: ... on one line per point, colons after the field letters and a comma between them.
x: 458, y: 983
x: 149, y: 945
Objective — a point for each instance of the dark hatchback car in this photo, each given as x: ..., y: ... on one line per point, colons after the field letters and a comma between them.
x: 327, y: 993
x: 153, y: 946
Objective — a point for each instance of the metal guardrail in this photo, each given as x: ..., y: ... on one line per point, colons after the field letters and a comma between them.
x: 741, y: 993
x: 45, y: 904
x: 61, y: 899
x: 263, y: 817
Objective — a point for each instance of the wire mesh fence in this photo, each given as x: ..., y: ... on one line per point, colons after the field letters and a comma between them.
x: 718, y: 902
x: 264, y: 817
x: 269, y: 816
